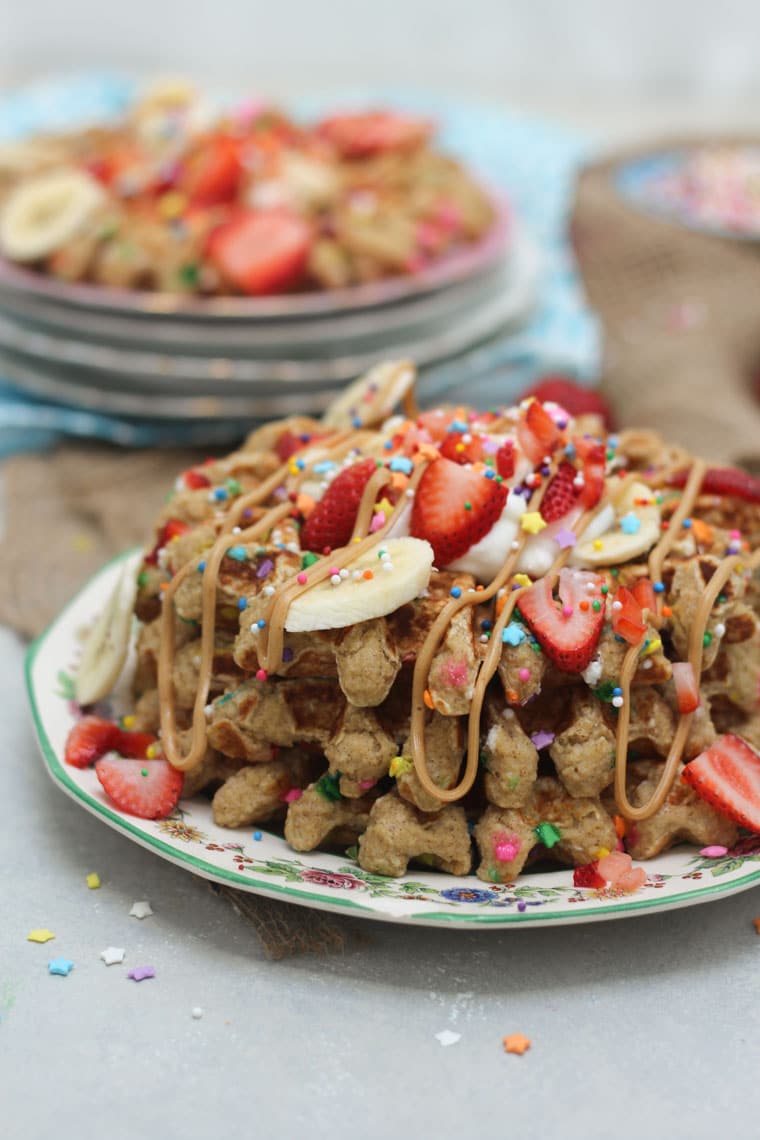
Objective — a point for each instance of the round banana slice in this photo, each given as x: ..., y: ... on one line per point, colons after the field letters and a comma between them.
x: 372, y: 398
x: 388, y: 576
x: 636, y: 530
x: 105, y: 649
x: 46, y: 211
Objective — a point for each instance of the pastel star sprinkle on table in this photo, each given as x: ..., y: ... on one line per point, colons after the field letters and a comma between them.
x: 516, y: 1043
x: 112, y: 955
x: 61, y: 966
x: 92, y: 880
x: 141, y: 909
x: 141, y: 973
x: 446, y: 1037
x: 42, y: 935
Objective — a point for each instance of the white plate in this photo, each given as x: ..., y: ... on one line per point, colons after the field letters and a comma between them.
x: 332, y: 882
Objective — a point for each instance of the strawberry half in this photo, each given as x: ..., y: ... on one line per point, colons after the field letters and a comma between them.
x: 560, y: 496
x: 576, y: 400
x: 454, y: 508
x: 727, y: 775
x: 145, y: 788
x: 723, y: 481
x: 331, y: 523
x: 90, y: 738
x: 568, y: 632
x: 462, y: 447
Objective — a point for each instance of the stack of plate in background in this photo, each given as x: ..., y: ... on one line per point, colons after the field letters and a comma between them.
x: 159, y: 355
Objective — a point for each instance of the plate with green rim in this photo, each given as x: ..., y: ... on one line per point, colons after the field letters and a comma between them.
x: 258, y: 860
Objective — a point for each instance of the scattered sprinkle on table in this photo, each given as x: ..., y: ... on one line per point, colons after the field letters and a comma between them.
x: 141, y: 973
x: 93, y: 880
x: 112, y: 955
x: 446, y: 1037
x: 756, y: 924
x: 516, y: 1043
x: 714, y: 852
x: 61, y: 966
x: 141, y: 909
x: 196, y: 1012
x: 42, y: 935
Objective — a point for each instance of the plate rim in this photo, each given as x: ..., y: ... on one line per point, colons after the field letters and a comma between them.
x: 628, y: 907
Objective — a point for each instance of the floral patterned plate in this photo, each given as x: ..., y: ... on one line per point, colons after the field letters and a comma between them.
x: 260, y: 861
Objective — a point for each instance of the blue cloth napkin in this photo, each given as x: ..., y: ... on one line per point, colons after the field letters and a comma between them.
x: 534, y: 162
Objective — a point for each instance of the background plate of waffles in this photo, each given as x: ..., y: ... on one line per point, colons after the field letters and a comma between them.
x: 261, y: 862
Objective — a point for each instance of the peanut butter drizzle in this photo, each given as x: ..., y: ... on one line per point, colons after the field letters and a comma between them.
x: 491, y: 660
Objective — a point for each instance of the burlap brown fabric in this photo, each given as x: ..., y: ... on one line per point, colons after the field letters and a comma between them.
x: 681, y: 318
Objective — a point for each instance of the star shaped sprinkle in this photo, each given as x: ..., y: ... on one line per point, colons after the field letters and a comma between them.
x: 93, y: 881
x: 532, y: 522
x: 522, y: 580
x: 630, y: 523
x: 542, y: 739
x: 141, y: 909
x: 40, y: 935
x: 60, y: 966
x: 516, y: 1043
x: 112, y: 955
x: 514, y: 634
x: 446, y: 1037
x: 565, y: 538
x: 141, y: 973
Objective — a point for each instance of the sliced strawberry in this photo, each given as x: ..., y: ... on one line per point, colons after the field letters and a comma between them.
x: 723, y: 481
x: 592, y: 453
x: 560, y: 496
x: 90, y: 738
x: 538, y: 433
x: 505, y: 459
x: 643, y: 592
x: 454, y: 508
x: 261, y: 251
x: 588, y: 876
x: 146, y: 788
x: 214, y: 173
x: 627, y: 619
x: 687, y: 689
x: 133, y: 744
x: 570, y: 395
x: 195, y: 480
x: 374, y: 132
x: 462, y: 447
x: 567, y: 633
x: 436, y: 423
x: 331, y: 523
x: 727, y: 775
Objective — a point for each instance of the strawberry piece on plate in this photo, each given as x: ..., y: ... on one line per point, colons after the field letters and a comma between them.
x: 195, y: 480
x: 538, y: 433
x: 90, y: 738
x: 214, y: 172
x: 567, y: 631
x: 561, y: 495
x: 261, y: 251
x: 331, y: 523
x: 570, y: 395
x: 462, y: 447
x: 374, y: 132
x: 727, y: 775
x: 133, y: 744
x: 505, y: 459
x: 593, y: 456
x: 588, y: 876
x: 454, y: 508
x: 149, y: 789
x: 687, y: 689
x: 643, y: 592
x: 728, y: 481
x: 627, y: 619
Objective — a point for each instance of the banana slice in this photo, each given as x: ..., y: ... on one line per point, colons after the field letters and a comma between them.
x: 45, y: 212
x: 636, y: 530
x: 371, y: 398
x: 105, y: 649
x: 359, y: 598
